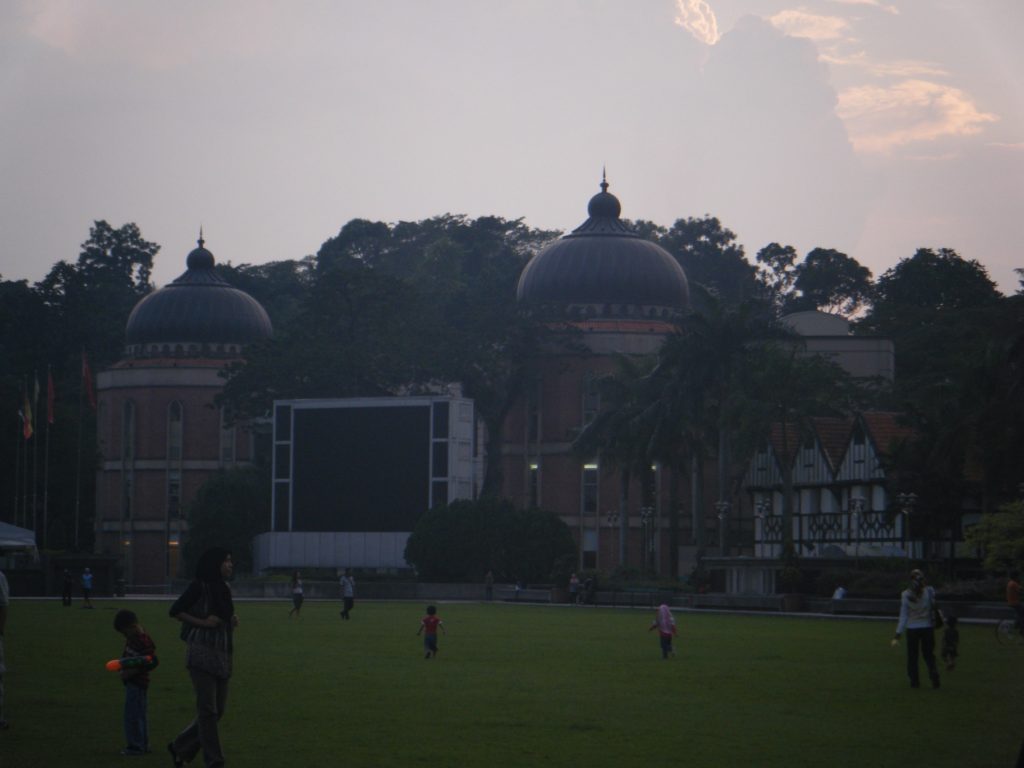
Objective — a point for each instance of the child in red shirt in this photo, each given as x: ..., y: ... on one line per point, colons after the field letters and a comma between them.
x: 428, y: 628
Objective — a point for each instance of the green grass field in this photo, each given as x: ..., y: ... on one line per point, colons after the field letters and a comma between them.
x: 517, y: 686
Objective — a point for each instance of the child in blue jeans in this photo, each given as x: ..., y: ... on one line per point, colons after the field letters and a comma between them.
x: 136, y: 682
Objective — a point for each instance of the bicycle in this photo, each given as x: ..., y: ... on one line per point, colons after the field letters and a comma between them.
x: 1007, y: 632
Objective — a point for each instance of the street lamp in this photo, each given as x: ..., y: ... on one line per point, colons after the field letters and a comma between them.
x: 857, y: 504
x: 907, y: 502
x: 762, y: 508
x: 722, y: 507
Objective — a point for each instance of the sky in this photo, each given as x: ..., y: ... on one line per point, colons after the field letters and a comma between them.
x: 875, y: 127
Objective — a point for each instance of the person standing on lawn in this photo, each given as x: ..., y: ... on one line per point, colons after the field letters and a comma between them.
x: 208, y: 613
x: 666, y: 626
x: 428, y: 628
x: 348, y: 593
x: 917, y: 606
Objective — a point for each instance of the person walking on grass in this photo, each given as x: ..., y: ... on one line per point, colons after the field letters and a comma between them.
x: 136, y: 682
x: 297, y: 596
x: 917, y: 606
x: 207, y: 612
x: 87, y: 588
x: 348, y: 593
x: 428, y: 628
x: 666, y: 626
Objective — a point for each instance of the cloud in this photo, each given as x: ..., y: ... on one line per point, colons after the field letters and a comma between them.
x: 880, y: 118
x: 903, y: 68
x: 801, y: 23
x: 697, y: 18
x: 872, y: 3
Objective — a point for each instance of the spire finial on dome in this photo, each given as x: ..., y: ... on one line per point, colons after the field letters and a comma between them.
x: 604, y: 180
x: 200, y: 240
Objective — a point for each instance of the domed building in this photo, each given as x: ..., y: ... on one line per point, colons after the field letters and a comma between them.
x: 605, y: 292
x: 159, y: 434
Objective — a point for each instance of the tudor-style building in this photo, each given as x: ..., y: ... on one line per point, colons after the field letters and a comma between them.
x: 160, y: 435
x: 841, y: 501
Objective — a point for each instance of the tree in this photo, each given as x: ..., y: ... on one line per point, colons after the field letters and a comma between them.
x: 932, y: 282
x: 777, y: 273
x: 464, y: 540
x: 229, y: 510
x: 711, y: 257
x: 785, y: 388
x: 89, y: 302
x: 619, y: 436
x: 1000, y: 535
x: 831, y: 281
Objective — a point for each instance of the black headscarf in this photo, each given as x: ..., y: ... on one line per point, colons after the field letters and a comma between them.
x: 208, y: 572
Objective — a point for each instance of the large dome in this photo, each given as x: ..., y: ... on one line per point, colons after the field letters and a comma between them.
x: 200, y: 313
x: 604, y: 269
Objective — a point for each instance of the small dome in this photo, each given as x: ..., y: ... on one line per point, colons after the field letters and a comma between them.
x: 199, y: 310
x: 604, y: 269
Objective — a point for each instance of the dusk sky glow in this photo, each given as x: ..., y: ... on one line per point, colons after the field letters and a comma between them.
x: 871, y: 126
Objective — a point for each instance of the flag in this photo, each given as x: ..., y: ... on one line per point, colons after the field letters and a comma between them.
x: 87, y: 381
x: 51, y: 396
x: 26, y: 414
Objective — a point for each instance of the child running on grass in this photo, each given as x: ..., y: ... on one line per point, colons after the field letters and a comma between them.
x: 428, y: 628
x: 666, y: 626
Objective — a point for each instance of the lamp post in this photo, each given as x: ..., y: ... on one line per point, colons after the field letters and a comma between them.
x: 762, y: 508
x: 647, y: 522
x: 722, y: 507
x: 857, y: 504
x: 907, y: 501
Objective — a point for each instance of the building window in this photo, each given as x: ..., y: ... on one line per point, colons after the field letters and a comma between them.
x: 533, y: 414
x: 534, y: 485
x: 175, y: 441
x: 227, y: 442
x: 127, y: 458
x: 588, y: 514
x: 591, y: 398
x: 174, y: 431
x: 588, y: 501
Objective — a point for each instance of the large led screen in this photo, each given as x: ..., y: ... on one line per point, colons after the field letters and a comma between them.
x: 360, y: 468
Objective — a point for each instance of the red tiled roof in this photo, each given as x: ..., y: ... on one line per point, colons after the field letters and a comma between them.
x: 885, y: 429
x: 834, y: 437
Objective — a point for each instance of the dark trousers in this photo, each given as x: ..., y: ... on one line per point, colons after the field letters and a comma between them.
x: 921, y: 641
x: 136, y: 733
x: 347, y: 603
x: 211, y: 700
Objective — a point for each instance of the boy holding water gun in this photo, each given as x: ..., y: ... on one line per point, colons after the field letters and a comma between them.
x: 136, y: 680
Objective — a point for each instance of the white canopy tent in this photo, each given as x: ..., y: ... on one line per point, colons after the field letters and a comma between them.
x: 14, y: 538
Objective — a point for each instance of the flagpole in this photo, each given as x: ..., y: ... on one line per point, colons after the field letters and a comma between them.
x: 46, y: 453
x: 24, y: 465
x: 35, y: 456
x: 78, y: 458
x: 17, y: 469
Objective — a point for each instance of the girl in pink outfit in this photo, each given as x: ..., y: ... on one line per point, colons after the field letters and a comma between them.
x: 666, y: 626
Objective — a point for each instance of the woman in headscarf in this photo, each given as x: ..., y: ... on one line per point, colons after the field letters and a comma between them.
x: 917, y: 617
x: 666, y: 626
x: 208, y: 619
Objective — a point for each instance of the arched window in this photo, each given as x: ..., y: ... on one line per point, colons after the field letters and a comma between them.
x: 175, y: 441
x: 227, y: 441
x: 127, y: 458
